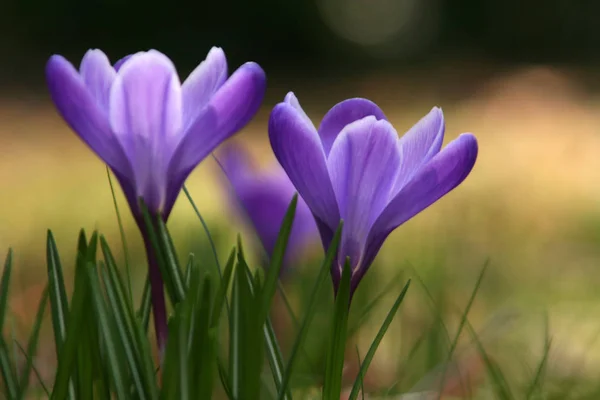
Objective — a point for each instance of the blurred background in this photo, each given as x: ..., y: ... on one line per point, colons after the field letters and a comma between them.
x: 522, y: 75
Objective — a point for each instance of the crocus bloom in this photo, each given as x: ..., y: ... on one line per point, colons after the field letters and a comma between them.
x: 355, y: 168
x: 264, y: 197
x: 150, y: 129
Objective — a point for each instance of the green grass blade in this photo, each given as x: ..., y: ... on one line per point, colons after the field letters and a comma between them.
x: 34, y: 369
x: 188, y: 271
x: 221, y: 296
x: 118, y: 305
x: 463, y: 321
x: 310, y: 312
x: 5, y: 287
x: 111, y: 345
x: 171, y: 261
x: 274, y: 355
x: 365, y: 313
x: 373, y: 348
x: 32, y: 345
x: 536, y: 384
x: 500, y: 384
x: 277, y: 257
x: 122, y: 233
x: 205, y: 227
x: 8, y: 373
x: 203, y: 344
x: 153, y: 236
x: 332, y: 387
x: 58, y: 296
x: 143, y: 312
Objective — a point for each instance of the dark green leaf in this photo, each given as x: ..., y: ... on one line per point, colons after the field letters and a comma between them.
x: 108, y: 335
x: 124, y: 324
x: 4, y: 288
x: 332, y: 387
x: 8, y: 373
x: 58, y: 296
x: 171, y: 263
x: 144, y: 311
x: 221, y: 296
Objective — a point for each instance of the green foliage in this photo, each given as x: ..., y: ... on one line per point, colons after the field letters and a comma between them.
x: 104, y: 348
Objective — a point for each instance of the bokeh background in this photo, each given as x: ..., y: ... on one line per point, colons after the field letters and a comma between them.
x: 523, y: 75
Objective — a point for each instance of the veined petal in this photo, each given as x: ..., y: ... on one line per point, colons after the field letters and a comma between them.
x: 420, y: 144
x: 363, y: 164
x: 146, y: 112
x: 441, y: 174
x: 343, y: 114
x: 232, y: 106
x: 82, y: 112
x: 298, y: 149
x: 202, y: 83
x: 98, y: 75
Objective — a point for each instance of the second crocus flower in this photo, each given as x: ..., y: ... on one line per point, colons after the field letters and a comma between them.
x: 355, y: 168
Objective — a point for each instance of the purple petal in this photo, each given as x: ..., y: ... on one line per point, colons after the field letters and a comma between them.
x: 343, y: 114
x: 420, y: 144
x: 235, y: 162
x: 84, y: 115
x: 363, y: 164
x: 120, y: 63
x: 146, y: 111
x: 443, y: 173
x: 98, y: 75
x: 292, y: 100
x: 202, y: 83
x: 232, y: 107
x: 264, y: 198
x: 298, y: 149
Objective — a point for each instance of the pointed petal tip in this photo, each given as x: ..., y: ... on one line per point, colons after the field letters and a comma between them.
x: 290, y: 98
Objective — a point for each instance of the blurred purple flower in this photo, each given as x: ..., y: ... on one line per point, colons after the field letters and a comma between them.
x: 264, y: 196
x: 150, y: 129
x: 355, y: 168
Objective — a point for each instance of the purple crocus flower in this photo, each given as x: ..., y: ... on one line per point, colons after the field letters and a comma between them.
x: 264, y: 196
x: 355, y: 168
x: 150, y: 129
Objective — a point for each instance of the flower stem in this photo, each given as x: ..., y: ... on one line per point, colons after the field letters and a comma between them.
x: 159, y: 309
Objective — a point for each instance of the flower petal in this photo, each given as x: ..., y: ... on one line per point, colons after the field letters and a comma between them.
x: 232, y: 107
x: 298, y: 149
x: 264, y: 198
x: 122, y: 61
x: 98, y: 75
x: 292, y: 100
x: 146, y: 112
x: 202, y: 83
x: 443, y: 173
x: 343, y: 114
x: 363, y: 164
x: 420, y: 144
x: 83, y: 114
